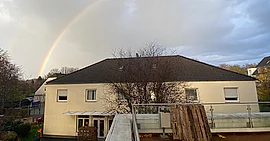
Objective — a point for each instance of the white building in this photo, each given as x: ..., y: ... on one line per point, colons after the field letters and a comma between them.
x: 75, y: 100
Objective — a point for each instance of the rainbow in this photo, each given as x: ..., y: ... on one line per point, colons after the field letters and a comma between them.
x: 72, y: 21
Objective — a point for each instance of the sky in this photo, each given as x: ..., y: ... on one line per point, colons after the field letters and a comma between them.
x: 82, y: 32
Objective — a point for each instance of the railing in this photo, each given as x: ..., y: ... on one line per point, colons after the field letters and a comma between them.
x: 109, y: 135
x: 220, y: 115
x: 134, y: 125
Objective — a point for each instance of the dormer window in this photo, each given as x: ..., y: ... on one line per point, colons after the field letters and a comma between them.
x: 154, y: 66
x: 121, y: 68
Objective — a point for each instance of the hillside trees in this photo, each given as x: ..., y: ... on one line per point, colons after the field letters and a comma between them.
x: 237, y: 68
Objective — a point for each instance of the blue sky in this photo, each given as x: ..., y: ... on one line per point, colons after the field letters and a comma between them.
x: 212, y: 31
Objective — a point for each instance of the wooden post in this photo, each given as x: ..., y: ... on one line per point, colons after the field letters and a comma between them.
x: 200, y: 119
x: 189, y: 123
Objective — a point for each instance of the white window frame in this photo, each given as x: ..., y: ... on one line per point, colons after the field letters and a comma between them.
x: 197, y: 95
x: 120, y: 97
x: 237, y: 91
x: 86, y: 95
x: 83, y: 118
x: 58, y: 94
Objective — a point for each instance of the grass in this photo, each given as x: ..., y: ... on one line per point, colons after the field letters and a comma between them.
x: 33, y: 134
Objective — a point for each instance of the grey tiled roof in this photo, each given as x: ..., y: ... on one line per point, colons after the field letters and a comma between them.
x: 265, y: 62
x: 184, y: 69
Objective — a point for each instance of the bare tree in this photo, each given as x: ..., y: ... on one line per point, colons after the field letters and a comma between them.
x: 9, y: 79
x: 67, y: 70
x: 142, y: 79
x: 59, y: 72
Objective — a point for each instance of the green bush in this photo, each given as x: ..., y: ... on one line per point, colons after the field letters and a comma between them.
x: 10, y: 125
x: 23, y: 130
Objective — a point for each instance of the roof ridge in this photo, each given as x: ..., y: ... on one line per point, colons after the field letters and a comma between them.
x: 116, y: 58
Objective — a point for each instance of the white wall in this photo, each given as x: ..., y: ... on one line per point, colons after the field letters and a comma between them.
x: 213, y: 92
x: 251, y: 71
x: 56, y: 123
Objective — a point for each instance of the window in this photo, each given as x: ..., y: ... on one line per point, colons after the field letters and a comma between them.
x: 231, y: 94
x: 82, y: 120
x: 250, y: 72
x: 91, y: 95
x: 120, y: 96
x: 110, y: 123
x: 121, y: 68
x: 191, y: 94
x: 62, y: 95
x: 154, y: 66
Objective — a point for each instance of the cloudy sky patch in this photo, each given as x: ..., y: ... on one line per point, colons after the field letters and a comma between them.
x: 211, y: 31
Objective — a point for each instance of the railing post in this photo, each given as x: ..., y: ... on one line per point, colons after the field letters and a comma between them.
x: 212, y: 117
x: 250, y: 124
x: 134, y: 124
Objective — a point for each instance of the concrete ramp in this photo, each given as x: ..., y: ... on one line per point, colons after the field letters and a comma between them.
x: 120, y: 128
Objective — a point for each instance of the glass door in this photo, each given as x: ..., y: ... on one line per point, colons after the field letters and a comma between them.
x: 99, y: 123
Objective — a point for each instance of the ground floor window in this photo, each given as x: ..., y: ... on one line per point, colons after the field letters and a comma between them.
x: 82, y: 120
x: 110, y: 123
x: 99, y: 123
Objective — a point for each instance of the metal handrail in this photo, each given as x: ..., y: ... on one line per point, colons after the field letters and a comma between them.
x: 109, y: 135
x: 214, y: 103
x: 135, y: 128
x: 248, y: 104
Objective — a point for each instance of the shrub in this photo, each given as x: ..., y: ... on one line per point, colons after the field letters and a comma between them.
x: 9, y: 136
x: 23, y: 130
x: 11, y: 125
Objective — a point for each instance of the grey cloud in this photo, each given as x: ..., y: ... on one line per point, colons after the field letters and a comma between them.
x: 208, y: 30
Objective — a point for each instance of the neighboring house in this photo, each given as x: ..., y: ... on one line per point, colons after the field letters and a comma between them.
x: 264, y: 63
x: 250, y: 71
x: 41, y: 92
x: 75, y: 100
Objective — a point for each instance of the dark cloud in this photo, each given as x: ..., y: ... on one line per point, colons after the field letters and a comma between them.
x: 208, y: 30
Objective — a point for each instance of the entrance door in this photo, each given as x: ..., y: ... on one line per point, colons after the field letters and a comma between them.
x: 100, y: 125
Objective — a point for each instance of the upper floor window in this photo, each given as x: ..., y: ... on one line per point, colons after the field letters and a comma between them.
x: 250, y: 72
x: 62, y: 95
x: 191, y: 94
x: 91, y: 95
x: 120, y: 96
x: 231, y: 94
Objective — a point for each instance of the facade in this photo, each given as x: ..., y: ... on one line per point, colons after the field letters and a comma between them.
x: 75, y: 100
x: 264, y: 63
x: 251, y: 71
x: 41, y: 91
